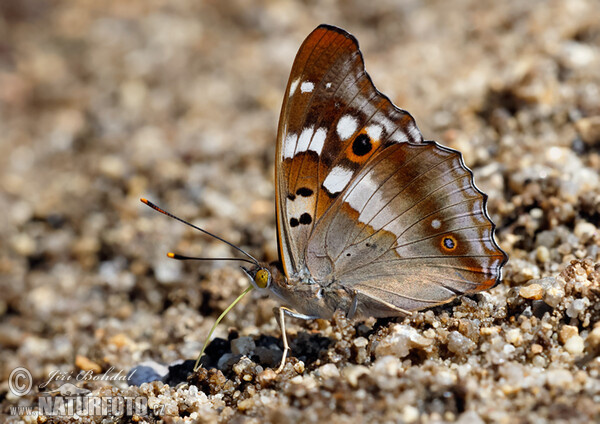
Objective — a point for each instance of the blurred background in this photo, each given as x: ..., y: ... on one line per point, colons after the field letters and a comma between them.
x: 102, y: 103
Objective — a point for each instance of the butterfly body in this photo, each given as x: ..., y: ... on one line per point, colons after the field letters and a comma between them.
x: 306, y: 296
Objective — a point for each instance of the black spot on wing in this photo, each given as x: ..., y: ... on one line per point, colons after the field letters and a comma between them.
x: 304, y: 192
x: 305, y: 219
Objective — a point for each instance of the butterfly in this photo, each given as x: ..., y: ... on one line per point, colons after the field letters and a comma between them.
x: 371, y: 219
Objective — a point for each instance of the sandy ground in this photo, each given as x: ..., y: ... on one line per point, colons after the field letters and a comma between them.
x: 105, y: 102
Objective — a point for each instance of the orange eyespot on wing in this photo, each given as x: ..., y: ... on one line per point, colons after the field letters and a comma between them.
x: 362, y: 147
x: 448, y: 243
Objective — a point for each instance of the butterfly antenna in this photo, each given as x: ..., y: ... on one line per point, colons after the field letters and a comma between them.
x: 212, y: 330
x: 194, y: 258
x: 170, y: 215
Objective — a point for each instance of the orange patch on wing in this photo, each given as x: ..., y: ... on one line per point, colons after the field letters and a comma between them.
x: 362, y: 147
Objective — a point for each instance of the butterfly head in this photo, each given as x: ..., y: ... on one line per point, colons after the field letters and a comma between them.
x: 260, y: 277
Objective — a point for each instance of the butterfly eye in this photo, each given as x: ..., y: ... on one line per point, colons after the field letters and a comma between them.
x: 262, y: 278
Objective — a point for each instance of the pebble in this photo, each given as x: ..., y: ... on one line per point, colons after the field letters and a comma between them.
x: 167, y: 270
x: 536, y: 348
x: 574, y: 345
x: 514, y: 336
x: 86, y: 364
x: 402, y: 339
x: 470, y: 417
x: 410, y: 414
x: 459, y: 344
x: 353, y: 372
x: 589, y: 129
x: 243, y: 346
x: 554, y: 296
x: 542, y: 254
x: 147, y: 372
x: 584, y: 231
x: 360, y: 342
x: 575, y: 308
x: 531, y: 291
x: 559, y: 377
x: 566, y: 332
x: 327, y: 371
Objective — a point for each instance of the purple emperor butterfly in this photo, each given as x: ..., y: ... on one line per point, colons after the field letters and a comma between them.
x: 371, y: 219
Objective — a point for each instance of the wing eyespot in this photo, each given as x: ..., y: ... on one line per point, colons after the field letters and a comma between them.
x: 362, y: 145
x: 449, y: 243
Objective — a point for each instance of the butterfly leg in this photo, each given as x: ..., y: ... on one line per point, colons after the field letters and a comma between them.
x: 280, y: 315
x: 352, y: 311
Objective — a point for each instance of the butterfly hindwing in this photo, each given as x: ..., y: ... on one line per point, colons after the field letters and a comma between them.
x: 333, y: 121
x: 411, y: 230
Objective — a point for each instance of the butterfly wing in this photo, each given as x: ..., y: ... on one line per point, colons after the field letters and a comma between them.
x: 410, y: 231
x: 333, y: 121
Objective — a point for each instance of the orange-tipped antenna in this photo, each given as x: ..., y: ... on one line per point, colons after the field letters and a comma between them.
x: 174, y: 256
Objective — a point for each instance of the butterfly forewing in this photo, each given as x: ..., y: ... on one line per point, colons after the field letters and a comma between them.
x: 332, y: 123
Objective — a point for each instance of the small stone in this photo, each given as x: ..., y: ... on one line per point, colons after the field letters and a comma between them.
x: 531, y: 291
x: 226, y: 361
x: 168, y: 271
x: 120, y: 340
x: 574, y: 345
x: 594, y: 337
x: 536, y: 348
x: 147, y: 372
x: 524, y: 271
x: 470, y: 417
x: 566, y: 332
x: 542, y: 254
x: 327, y: 371
x: 360, y: 342
x: 559, y: 378
x: 514, y: 336
x: 539, y: 361
x: 553, y: 296
x: 243, y: 366
x: 86, y: 364
x: 112, y: 166
x: 243, y: 346
x: 353, y: 372
x: 270, y: 357
x: 589, y: 129
x: 410, y: 414
x: 266, y: 377
x: 584, y: 231
x: 402, y: 339
x: 459, y: 344
x: 575, y: 308
x: 23, y: 244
